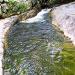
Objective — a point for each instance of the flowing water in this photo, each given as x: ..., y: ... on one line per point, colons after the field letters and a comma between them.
x: 36, y: 47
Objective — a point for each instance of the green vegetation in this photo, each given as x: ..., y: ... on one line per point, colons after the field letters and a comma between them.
x: 66, y: 66
x: 12, y: 7
x: 16, y: 8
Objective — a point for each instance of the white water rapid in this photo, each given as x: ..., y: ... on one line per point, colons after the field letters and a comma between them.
x: 39, y: 17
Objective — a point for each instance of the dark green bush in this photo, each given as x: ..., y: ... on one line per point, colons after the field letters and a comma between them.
x: 52, y: 2
x: 20, y: 7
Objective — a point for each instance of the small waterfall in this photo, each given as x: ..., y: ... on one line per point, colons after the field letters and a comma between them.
x: 39, y: 17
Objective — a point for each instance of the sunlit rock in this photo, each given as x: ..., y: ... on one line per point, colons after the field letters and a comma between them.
x: 64, y: 17
x: 5, y: 24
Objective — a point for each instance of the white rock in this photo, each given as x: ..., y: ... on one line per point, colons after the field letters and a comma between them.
x: 5, y: 24
x: 64, y: 17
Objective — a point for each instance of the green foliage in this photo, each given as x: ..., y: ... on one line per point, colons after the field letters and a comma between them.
x: 11, y: 0
x: 53, y: 1
x: 20, y: 7
x: 16, y: 8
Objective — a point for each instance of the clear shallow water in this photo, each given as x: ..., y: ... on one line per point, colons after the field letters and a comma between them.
x: 35, y: 47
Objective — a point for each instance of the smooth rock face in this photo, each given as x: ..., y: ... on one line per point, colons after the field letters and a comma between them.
x: 5, y: 24
x: 64, y: 17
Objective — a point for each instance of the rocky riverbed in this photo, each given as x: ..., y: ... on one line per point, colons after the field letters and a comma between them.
x: 35, y: 47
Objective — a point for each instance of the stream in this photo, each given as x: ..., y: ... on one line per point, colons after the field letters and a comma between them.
x: 36, y: 47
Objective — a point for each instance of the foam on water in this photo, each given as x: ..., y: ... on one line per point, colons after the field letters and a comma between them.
x: 39, y: 17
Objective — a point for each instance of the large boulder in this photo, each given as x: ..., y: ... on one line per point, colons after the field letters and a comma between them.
x: 64, y: 18
x: 5, y: 25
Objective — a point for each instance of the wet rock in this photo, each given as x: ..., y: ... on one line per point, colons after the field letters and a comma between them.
x: 5, y: 24
x: 64, y: 18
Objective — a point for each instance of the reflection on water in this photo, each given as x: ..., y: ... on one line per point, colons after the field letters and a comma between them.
x: 38, y: 49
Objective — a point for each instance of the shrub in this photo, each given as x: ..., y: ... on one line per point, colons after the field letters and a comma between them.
x: 16, y: 8
x: 20, y: 7
x: 53, y: 2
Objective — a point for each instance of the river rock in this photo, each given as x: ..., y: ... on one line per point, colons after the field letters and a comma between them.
x: 64, y: 17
